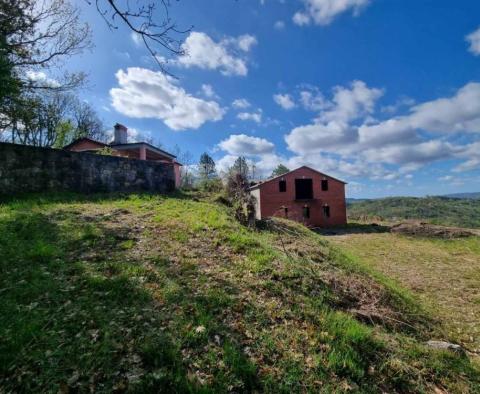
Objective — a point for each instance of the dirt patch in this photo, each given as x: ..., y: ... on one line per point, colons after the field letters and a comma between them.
x: 429, y: 230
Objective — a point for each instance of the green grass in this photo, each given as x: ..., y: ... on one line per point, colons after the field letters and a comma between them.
x: 146, y: 293
x: 436, y: 210
x: 444, y: 273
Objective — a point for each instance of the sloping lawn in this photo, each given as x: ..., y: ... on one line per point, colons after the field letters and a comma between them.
x: 444, y: 273
x: 144, y: 293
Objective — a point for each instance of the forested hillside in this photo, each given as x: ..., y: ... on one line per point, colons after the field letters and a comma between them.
x: 437, y: 210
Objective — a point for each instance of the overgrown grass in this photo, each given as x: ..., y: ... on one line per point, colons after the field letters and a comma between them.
x: 146, y: 293
x: 443, y: 272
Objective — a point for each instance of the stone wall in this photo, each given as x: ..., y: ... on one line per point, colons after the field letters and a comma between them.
x: 33, y: 169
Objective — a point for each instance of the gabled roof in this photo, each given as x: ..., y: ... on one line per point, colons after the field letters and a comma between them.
x: 130, y: 145
x: 84, y: 139
x: 289, y: 172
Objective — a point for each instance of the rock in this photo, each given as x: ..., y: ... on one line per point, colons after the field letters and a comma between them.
x: 442, y: 345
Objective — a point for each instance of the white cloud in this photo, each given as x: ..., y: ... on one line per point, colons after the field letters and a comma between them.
x: 284, y: 100
x: 253, y: 116
x: 144, y: 93
x: 313, y: 102
x: 244, y: 145
x: 203, y: 52
x: 279, y: 25
x: 474, y: 40
x: 345, y: 127
x: 459, y: 113
x: 42, y: 78
x: 445, y: 178
x: 208, y: 91
x: 351, y: 103
x: 320, y: 137
x: 322, y: 12
x: 301, y: 18
x: 246, y: 42
x: 241, y: 103
x: 419, y: 153
x: 136, y: 38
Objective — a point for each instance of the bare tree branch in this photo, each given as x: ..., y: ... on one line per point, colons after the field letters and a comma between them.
x: 155, y: 27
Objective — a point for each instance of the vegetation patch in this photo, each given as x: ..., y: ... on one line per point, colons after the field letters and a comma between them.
x: 148, y: 293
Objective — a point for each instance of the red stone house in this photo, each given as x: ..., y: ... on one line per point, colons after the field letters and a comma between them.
x: 134, y: 150
x: 304, y: 195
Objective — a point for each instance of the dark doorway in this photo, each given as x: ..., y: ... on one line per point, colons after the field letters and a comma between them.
x: 303, y: 189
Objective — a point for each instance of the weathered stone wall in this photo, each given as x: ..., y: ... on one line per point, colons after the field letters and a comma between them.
x: 33, y: 169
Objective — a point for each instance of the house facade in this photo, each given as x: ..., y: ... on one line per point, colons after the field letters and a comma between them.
x: 304, y: 195
x: 133, y: 150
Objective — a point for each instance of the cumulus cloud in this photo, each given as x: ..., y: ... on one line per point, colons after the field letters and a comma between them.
x: 245, y: 42
x: 253, y: 116
x: 313, y: 101
x: 245, y: 145
x: 345, y: 127
x: 459, y: 113
x: 323, y: 12
x: 208, y: 91
x: 241, y: 103
x: 351, y: 102
x: 474, y: 40
x: 144, y: 93
x: 203, y: 52
x: 284, y: 100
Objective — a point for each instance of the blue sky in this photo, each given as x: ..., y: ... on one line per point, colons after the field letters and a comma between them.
x: 384, y: 94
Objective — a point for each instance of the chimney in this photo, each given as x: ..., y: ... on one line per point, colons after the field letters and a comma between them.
x: 120, y: 136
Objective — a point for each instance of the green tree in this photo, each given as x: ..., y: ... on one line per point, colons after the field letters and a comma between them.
x: 206, y: 166
x: 280, y: 170
x: 240, y: 166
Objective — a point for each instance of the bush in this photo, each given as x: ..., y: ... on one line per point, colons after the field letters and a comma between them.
x: 211, y: 185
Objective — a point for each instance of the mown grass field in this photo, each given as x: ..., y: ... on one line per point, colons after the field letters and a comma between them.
x: 436, y: 210
x: 445, y: 274
x: 140, y: 293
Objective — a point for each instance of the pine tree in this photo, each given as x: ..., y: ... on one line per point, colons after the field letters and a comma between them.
x: 206, y: 166
x: 280, y: 170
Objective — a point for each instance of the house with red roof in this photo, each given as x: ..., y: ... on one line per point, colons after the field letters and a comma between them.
x: 132, y: 150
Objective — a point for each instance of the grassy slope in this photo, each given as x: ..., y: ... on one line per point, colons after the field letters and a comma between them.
x: 437, y: 210
x: 145, y: 293
x: 445, y: 274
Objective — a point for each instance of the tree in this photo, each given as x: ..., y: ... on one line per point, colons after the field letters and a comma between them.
x: 36, y: 36
x: 186, y: 159
x: 39, y: 35
x: 53, y: 119
x: 86, y: 122
x: 206, y: 166
x: 158, y: 37
x: 280, y: 170
x: 240, y: 166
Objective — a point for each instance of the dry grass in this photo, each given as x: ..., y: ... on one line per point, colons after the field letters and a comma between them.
x: 445, y: 274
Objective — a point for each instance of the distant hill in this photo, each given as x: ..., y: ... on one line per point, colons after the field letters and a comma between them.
x: 448, y: 211
x: 474, y: 196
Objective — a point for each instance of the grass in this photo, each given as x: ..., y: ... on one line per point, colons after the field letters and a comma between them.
x: 146, y: 293
x: 444, y: 273
x: 436, y: 210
